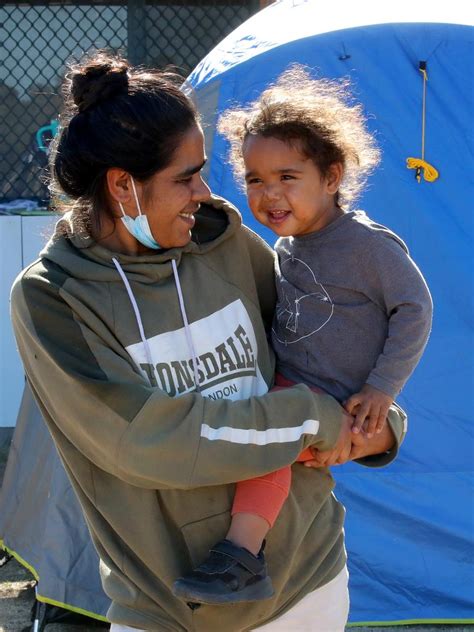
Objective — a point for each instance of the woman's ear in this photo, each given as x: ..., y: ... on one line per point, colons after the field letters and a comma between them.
x: 334, y: 177
x: 118, y: 185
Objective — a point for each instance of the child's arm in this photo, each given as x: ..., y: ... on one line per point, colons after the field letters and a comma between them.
x: 396, y: 285
x: 369, y: 407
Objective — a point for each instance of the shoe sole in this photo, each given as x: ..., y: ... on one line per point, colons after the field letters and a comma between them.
x: 256, y: 592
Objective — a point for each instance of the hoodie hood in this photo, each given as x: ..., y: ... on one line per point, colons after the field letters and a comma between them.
x: 83, y: 258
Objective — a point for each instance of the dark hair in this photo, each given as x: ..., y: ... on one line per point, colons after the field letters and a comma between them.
x: 114, y: 116
x: 317, y: 117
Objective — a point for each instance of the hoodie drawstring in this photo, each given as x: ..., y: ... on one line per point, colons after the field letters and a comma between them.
x: 135, y: 309
x: 138, y: 318
x: 187, y: 328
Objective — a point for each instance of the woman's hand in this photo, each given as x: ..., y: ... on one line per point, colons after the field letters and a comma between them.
x: 341, y: 451
x: 361, y: 446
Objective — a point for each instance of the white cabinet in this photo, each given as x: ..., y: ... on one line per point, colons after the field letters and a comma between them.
x: 21, y: 239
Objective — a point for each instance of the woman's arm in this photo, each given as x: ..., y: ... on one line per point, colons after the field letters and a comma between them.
x: 94, y: 400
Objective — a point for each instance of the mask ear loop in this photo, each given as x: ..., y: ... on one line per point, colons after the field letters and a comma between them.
x: 122, y: 209
x: 136, y: 196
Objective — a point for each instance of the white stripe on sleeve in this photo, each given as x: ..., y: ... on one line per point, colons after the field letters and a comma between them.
x: 260, y: 437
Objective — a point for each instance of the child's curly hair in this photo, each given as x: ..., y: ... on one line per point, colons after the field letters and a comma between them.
x: 316, y: 115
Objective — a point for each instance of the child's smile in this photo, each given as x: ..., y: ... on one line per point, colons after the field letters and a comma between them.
x: 277, y: 217
x: 286, y: 191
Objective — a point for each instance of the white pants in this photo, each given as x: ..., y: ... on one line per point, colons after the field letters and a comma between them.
x: 323, y: 610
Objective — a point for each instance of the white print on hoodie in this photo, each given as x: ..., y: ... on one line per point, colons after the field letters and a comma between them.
x: 226, y: 349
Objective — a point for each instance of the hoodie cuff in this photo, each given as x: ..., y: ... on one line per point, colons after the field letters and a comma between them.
x: 397, y: 420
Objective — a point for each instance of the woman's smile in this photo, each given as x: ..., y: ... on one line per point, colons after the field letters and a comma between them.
x: 189, y: 217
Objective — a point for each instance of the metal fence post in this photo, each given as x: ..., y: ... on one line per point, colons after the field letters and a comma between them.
x: 136, y: 33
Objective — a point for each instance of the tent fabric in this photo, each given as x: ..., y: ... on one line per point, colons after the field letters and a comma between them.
x: 409, y: 527
x: 41, y: 521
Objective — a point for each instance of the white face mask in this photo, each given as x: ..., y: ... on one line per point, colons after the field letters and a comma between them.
x: 139, y: 227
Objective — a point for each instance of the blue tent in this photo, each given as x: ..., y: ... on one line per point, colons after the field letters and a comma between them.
x: 409, y: 527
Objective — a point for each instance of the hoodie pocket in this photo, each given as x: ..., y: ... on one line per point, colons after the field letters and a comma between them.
x: 201, y: 535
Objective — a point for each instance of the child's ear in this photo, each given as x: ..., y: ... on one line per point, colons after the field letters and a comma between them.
x: 334, y: 177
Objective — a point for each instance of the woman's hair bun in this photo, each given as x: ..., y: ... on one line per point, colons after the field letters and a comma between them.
x: 98, y: 80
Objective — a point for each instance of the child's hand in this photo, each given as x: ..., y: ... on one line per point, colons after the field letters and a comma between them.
x: 369, y: 407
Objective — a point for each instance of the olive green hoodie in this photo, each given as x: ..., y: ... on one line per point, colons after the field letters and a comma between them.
x: 113, y: 346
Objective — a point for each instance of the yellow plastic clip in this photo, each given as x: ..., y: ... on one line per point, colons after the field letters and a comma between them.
x: 430, y: 173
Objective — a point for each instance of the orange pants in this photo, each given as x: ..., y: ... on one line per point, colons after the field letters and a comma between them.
x: 264, y: 496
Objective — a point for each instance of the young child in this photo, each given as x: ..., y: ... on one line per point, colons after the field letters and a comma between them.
x: 353, y: 312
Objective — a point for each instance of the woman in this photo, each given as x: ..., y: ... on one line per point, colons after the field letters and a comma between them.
x: 142, y: 332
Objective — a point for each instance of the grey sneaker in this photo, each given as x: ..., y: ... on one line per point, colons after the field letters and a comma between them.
x: 230, y: 574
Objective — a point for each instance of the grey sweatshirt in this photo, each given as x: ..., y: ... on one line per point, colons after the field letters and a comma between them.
x: 353, y: 308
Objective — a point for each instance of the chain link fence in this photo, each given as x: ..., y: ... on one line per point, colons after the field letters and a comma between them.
x: 37, y: 39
